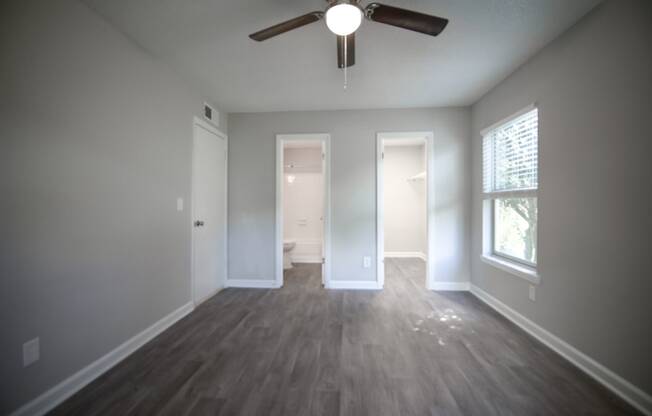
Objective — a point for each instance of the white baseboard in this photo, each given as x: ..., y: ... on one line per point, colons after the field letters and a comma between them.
x: 623, y: 388
x: 253, y: 284
x: 451, y: 286
x: 354, y: 285
x: 406, y: 254
x: 57, y: 394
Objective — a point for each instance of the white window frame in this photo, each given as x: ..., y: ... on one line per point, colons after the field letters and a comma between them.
x: 515, y: 266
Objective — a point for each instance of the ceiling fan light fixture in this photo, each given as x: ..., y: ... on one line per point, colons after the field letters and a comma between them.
x: 343, y: 18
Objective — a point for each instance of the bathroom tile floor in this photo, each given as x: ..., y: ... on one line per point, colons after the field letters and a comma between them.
x: 304, y: 350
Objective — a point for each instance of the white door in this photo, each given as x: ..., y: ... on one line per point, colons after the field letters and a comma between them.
x: 208, y: 212
x: 323, y: 213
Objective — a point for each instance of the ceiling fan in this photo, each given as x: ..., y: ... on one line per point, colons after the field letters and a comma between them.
x: 343, y: 18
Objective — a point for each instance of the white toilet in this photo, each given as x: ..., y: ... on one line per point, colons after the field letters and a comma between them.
x: 288, y: 246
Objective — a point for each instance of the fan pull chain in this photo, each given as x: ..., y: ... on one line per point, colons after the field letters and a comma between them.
x: 345, y: 62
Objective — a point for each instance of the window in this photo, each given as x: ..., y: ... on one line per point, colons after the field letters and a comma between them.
x: 510, y: 183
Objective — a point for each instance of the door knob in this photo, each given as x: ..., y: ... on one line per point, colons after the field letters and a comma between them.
x: 199, y: 223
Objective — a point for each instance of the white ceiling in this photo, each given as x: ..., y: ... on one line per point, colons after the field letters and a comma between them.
x: 206, y: 42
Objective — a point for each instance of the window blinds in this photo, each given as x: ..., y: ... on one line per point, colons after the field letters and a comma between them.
x: 510, y: 155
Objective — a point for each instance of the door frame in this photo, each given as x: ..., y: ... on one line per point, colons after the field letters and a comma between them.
x: 281, y: 140
x: 200, y: 123
x: 428, y: 136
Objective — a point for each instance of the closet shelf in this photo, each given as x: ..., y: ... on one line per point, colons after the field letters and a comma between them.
x: 418, y: 177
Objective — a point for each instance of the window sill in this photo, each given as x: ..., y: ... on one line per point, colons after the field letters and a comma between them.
x: 512, y: 268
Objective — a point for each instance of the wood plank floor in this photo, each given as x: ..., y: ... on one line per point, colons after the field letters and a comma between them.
x: 303, y: 350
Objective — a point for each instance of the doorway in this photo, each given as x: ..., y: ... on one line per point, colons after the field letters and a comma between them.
x: 209, y: 210
x: 405, y: 202
x: 302, y: 203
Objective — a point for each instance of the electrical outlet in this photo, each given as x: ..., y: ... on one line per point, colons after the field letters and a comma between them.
x: 31, y: 352
x: 366, y: 262
x: 179, y: 204
x: 533, y: 293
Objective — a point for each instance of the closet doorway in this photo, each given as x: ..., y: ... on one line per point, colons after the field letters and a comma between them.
x: 302, y: 203
x: 405, y: 205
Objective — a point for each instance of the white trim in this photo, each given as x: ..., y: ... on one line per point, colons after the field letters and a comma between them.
x: 406, y: 255
x: 278, y: 238
x: 380, y: 212
x: 431, y: 209
x: 507, y: 119
x: 209, y: 126
x: 621, y: 387
x: 197, y: 121
x: 512, y: 268
x: 281, y: 139
x: 451, y: 286
x: 254, y: 284
x: 428, y: 138
x: 65, y: 389
x: 354, y: 285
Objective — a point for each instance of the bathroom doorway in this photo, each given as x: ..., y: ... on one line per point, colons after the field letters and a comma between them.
x: 302, y: 204
x: 405, y: 201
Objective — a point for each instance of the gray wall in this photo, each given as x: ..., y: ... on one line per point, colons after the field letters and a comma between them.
x: 593, y: 87
x: 353, y: 185
x: 95, y: 148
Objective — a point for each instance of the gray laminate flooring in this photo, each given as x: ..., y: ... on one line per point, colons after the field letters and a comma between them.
x: 303, y: 350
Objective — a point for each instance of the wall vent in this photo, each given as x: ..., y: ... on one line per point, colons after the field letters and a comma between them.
x: 211, y: 114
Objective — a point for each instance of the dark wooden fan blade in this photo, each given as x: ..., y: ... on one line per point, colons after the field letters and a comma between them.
x: 350, y: 50
x: 286, y: 26
x: 406, y: 19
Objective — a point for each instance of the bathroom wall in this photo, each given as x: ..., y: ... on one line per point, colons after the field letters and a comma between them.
x: 303, y: 203
x: 405, y: 201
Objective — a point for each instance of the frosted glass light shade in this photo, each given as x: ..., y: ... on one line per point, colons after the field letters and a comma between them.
x: 343, y: 19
